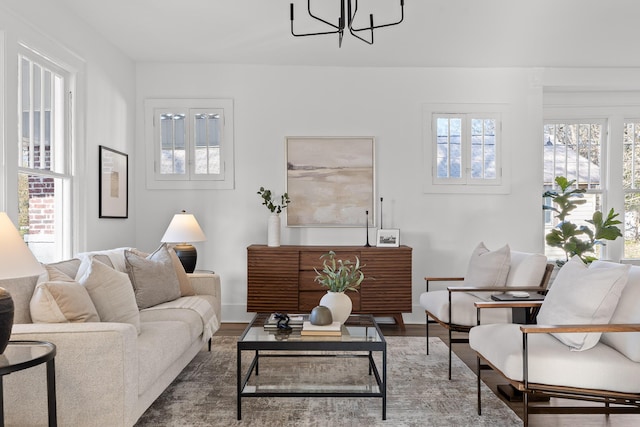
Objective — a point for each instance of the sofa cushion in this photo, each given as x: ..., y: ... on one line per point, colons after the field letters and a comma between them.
x: 627, y: 312
x: 552, y: 362
x: 581, y: 295
x: 21, y: 290
x: 526, y: 269
x: 154, y: 278
x: 487, y: 268
x: 111, y: 293
x: 190, y: 317
x: 186, y: 288
x: 61, y: 301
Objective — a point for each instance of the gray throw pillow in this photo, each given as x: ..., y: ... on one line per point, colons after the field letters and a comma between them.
x: 153, y: 278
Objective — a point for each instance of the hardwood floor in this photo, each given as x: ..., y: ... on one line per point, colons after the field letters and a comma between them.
x: 491, y: 378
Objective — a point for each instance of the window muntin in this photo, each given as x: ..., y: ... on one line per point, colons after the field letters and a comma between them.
x: 44, y: 177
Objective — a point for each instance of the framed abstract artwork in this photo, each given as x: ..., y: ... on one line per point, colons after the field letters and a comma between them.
x: 330, y: 181
x: 114, y: 184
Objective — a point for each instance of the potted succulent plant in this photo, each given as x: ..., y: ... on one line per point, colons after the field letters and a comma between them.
x: 574, y: 239
x: 273, y: 229
x: 339, y: 276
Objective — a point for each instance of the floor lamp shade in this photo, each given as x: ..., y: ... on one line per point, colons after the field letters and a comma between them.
x: 16, y: 260
x: 183, y: 230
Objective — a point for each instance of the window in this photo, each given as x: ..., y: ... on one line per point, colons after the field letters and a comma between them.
x: 44, y: 174
x: 573, y: 149
x: 463, y: 149
x: 191, y: 142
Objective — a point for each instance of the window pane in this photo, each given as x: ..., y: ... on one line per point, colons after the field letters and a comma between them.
x: 632, y: 225
x: 573, y: 150
x: 449, y: 152
x: 483, y: 154
x: 631, y: 156
x: 207, y: 140
x: 172, y: 141
x: 39, y: 201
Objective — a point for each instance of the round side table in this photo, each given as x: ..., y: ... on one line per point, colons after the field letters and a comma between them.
x: 21, y: 355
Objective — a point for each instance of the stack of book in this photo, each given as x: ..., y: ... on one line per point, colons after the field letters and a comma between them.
x: 334, y: 329
x: 295, y: 321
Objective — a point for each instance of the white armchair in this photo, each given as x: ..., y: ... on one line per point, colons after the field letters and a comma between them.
x: 488, y: 273
x: 585, y: 347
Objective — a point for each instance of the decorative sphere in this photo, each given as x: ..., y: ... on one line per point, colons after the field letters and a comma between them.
x: 321, y: 316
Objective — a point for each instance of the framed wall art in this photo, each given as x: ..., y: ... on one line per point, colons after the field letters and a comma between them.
x: 114, y: 183
x: 388, y: 237
x: 331, y: 181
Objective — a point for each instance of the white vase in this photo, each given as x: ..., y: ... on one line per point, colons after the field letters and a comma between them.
x: 340, y: 305
x: 273, y: 230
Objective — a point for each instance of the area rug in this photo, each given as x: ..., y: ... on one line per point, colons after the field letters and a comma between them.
x: 418, y: 392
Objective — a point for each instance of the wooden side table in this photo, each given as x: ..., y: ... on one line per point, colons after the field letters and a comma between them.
x: 21, y: 355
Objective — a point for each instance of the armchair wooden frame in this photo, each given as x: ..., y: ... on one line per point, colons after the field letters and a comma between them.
x: 625, y: 402
x: 452, y: 327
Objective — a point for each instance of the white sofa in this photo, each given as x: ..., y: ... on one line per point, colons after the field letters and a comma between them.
x: 106, y: 373
x: 586, y: 344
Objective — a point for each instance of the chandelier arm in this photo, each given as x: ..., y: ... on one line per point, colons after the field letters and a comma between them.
x: 373, y: 27
x: 338, y: 29
x: 340, y: 25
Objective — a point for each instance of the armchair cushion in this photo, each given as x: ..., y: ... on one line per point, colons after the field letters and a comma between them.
x: 488, y: 268
x: 551, y: 362
x: 582, y: 295
x: 526, y: 269
x: 627, y: 312
x: 463, y: 310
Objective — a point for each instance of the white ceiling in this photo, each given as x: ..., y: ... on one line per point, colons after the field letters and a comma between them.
x: 460, y: 33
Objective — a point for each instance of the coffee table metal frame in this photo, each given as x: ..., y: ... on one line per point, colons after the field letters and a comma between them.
x: 348, y: 347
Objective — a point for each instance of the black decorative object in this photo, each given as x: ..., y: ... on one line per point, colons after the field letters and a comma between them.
x: 188, y: 256
x: 283, y: 322
x: 6, y: 318
x: 367, y: 245
x: 321, y: 316
x: 381, y: 213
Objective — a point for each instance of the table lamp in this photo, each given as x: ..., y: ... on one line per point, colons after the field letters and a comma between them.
x: 16, y: 260
x: 184, y: 228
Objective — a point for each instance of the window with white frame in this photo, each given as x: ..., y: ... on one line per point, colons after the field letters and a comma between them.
x: 44, y: 170
x: 464, y: 149
x: 190, y: 143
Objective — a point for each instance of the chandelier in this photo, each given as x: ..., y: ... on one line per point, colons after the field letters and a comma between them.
x: 347, y: 16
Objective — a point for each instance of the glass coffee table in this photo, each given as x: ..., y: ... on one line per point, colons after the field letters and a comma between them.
x: 361, y: 339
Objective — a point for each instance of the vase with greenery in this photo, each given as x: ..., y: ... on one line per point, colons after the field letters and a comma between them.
x: 339, y: 276
x: 273, y: 227
x: 570, y: 237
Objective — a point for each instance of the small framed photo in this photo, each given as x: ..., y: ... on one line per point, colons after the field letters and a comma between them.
x: 114, y: 183
x: 388, y: 238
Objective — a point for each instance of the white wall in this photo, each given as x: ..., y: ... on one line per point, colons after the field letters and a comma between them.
x: 105, y: 112
x: 271, y: 103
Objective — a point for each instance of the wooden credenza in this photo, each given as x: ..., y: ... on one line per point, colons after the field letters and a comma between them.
x: 282, y: 279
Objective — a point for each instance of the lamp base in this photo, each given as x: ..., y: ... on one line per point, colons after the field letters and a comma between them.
x: 188, y: 256
x: 6, y: 318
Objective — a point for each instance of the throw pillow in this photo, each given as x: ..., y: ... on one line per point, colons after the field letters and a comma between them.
x: 153, y: 278
x: 487, y: 268
x: 62, y: 301
x: 111, y: 293
x: 580, y: 295
x: 55, y: 275
x: 186, y: 288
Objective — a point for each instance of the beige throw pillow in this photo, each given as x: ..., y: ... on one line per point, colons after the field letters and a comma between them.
x: 153, y: 278
x: 111, y: 293
x: 488, y: 268
x: 62, y: 301
x: 186, y: 288
x: 581, y: 296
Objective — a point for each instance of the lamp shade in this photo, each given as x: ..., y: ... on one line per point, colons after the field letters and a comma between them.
x: 183, y: 228
x: 16, y: 260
